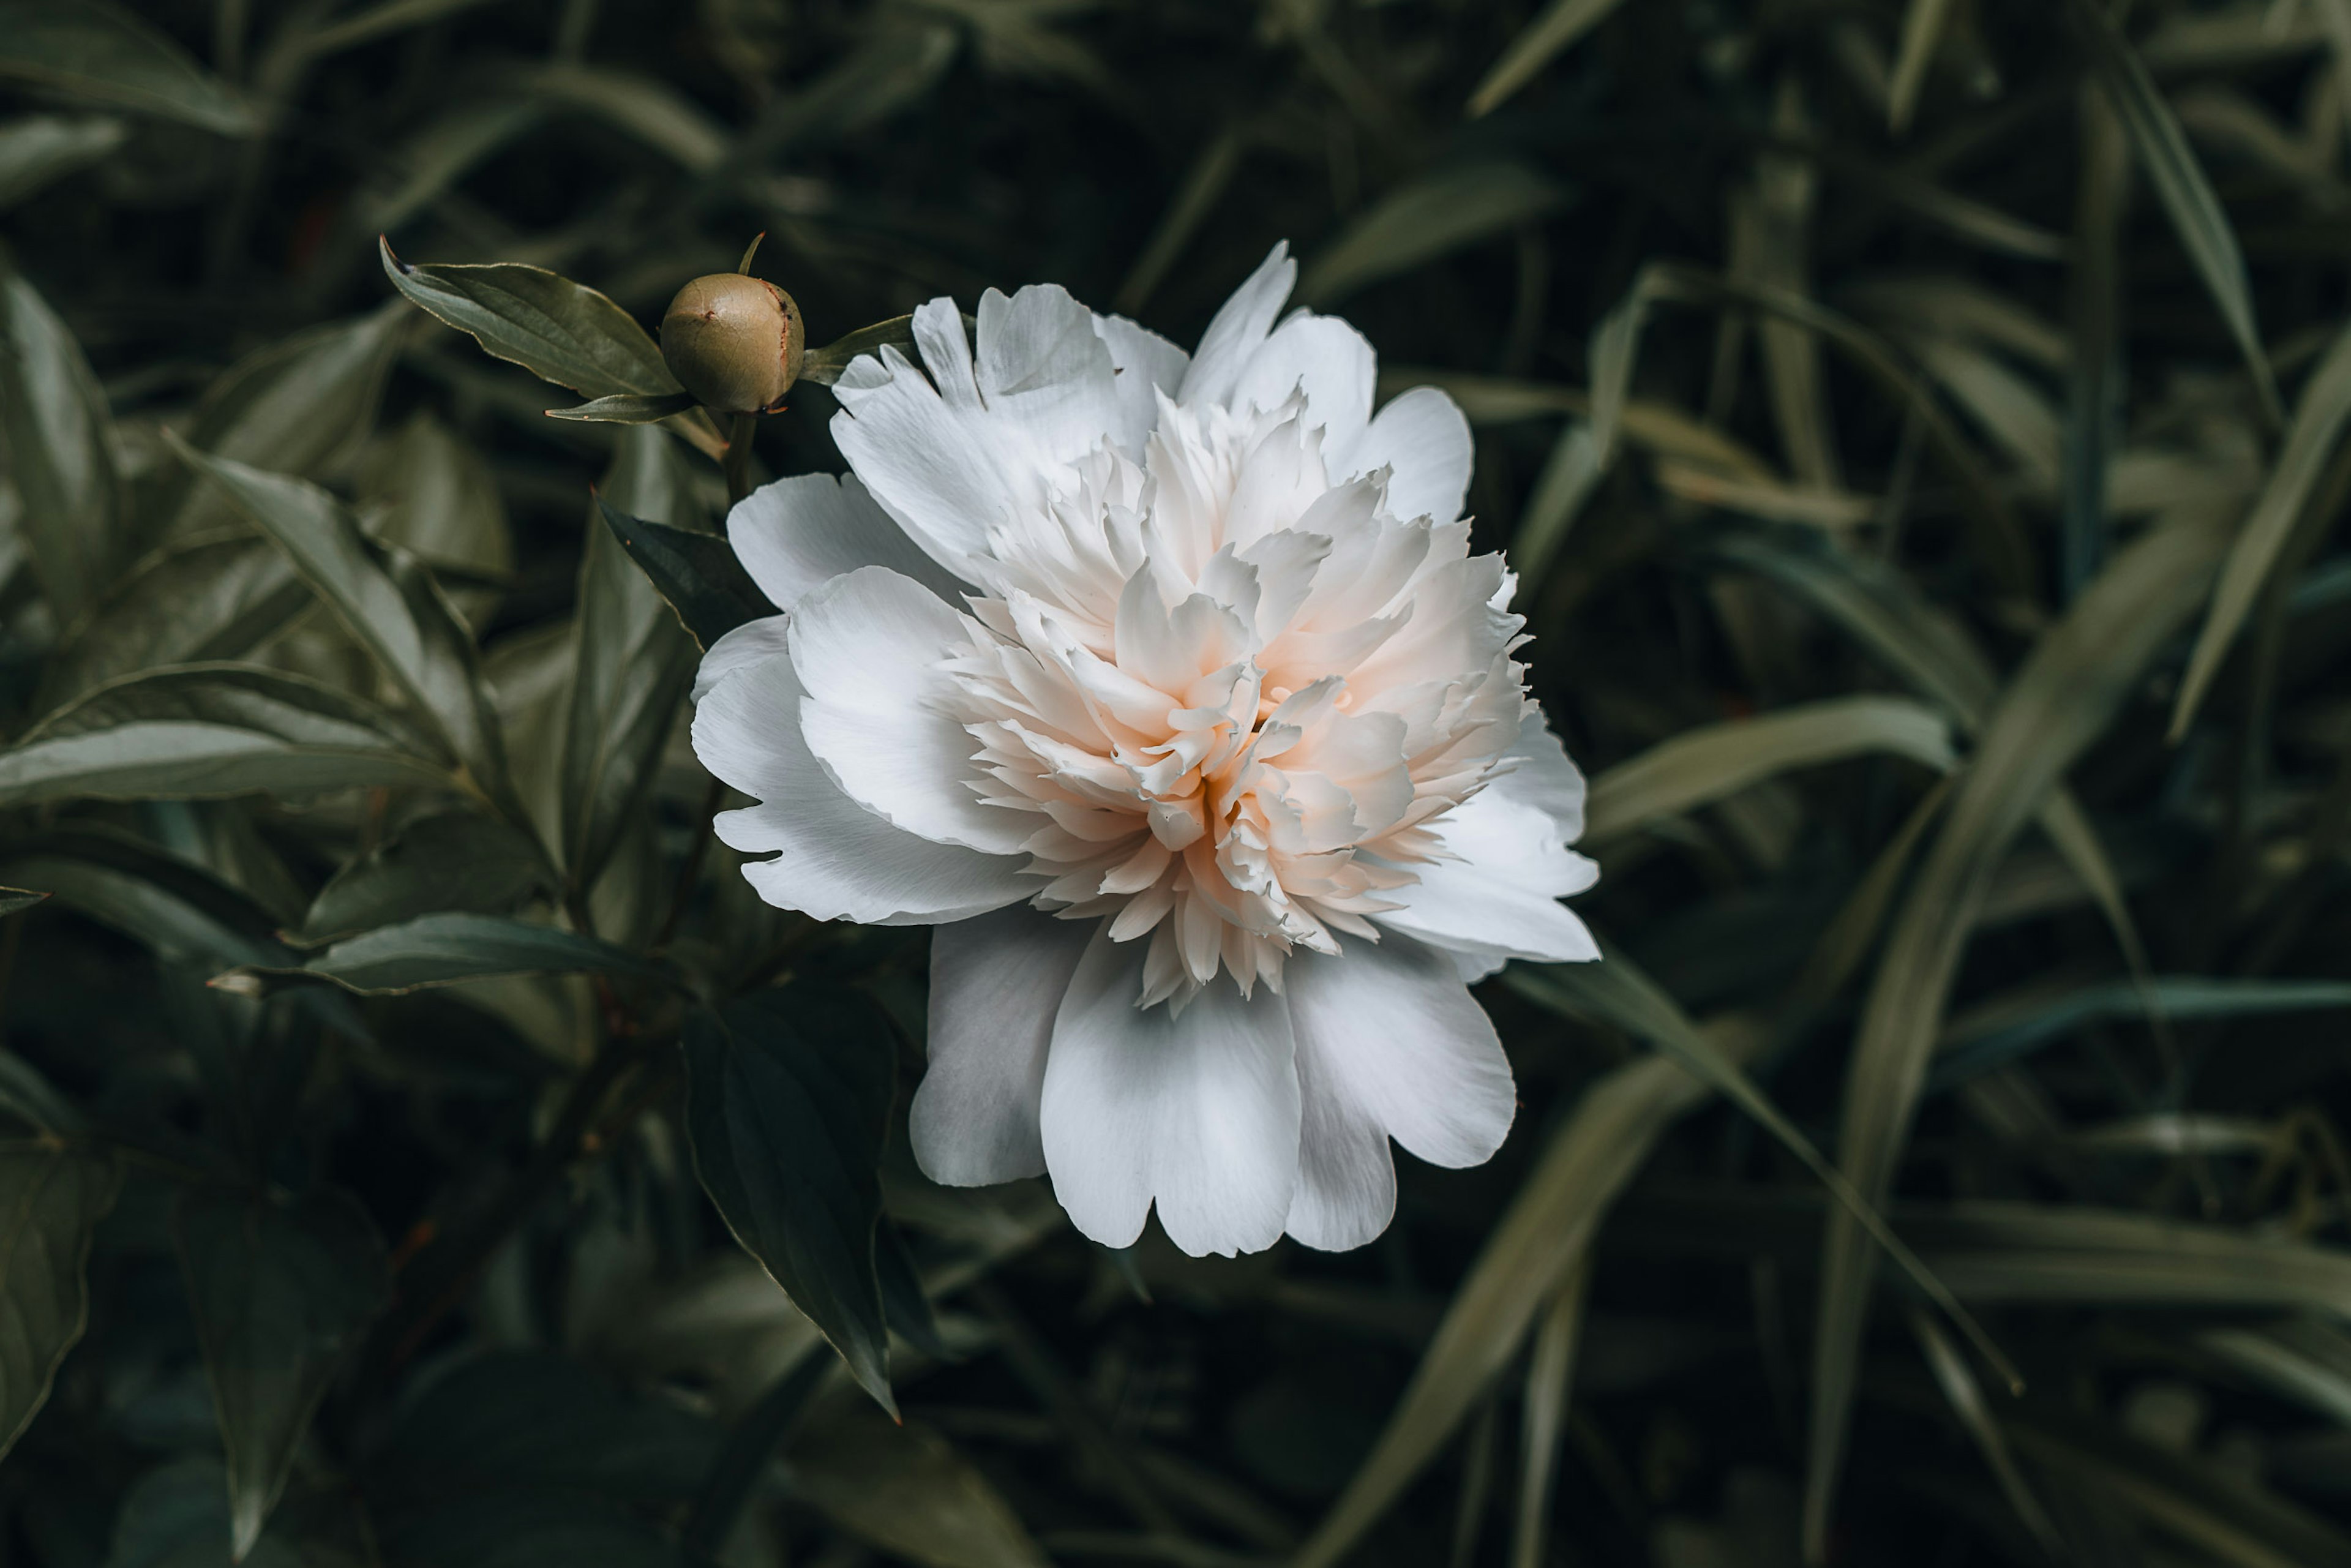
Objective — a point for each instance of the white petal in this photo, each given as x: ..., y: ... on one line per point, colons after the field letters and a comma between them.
x: 797, y: 533
x: 1498, y: 899
x: 1327, y: 359
x: 839, y: 861
x: 867, y: 646
x: 752, y: 643
x: 1423, y: 439
x: 1238, y: 330
x: 1540, y: 775
x: 1144, y: 365
x: 1042, y: 368
x: 1390, y: 1044
x: 996, y: 983
x: 1198, y: 1111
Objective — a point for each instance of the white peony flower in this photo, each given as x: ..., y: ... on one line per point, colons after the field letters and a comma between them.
x: 1168, y: 690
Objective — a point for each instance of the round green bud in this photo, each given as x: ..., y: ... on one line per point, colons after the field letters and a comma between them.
x: 735, y: 343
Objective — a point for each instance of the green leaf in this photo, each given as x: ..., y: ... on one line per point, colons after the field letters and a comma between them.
x: 518, y: 1420
x: 196, y: 600
x: 15, y: 900
x: 97, y: 51
x: 789, y: 1098
x: 2179, y: 183
x: 280, y: 1292
x: 559, y: 331
x: 529, y: 1530
x: 823, y: 366
x: 39, y: 149
x: 206, y: 731
x: 2318, y: 421
x: 1707, y: 764
x: 2076, y: 679
x: 442, y: 506
x: 1969, y: 1053
x: 1537, y: 44
x: 631, y: 673
x: 1922, y: 29
x: 445, y: 949
x: 904, y: 1489
x: 1614, y: 992
x: 50, y: 1202
x: 176, y: 1516
x: 385, y: 600
x: 59, y: 442
x: 455, y: 861
x: 698, y: 573
x: 627, y: 408
x: 170, y: 903
x: 303, y: 405
x: 1540, y: 1238
x: 1432, y: 216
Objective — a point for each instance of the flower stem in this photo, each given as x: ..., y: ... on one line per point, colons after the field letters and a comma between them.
x: 739, y: 456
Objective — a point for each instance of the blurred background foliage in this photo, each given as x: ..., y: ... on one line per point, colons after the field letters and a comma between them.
x: 1917, y: 426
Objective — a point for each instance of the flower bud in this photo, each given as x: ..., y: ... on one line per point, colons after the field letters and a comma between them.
x: 734, y: 342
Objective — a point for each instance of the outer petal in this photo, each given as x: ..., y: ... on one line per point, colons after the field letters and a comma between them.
x: 796, y: 534
x: 867, y: 646
x: 1389, y: 1045
x: 1198, y: 1111
x: 1144, y: 364
x: 1422, y: 438
x: 1498, y: 898
x: 1327, y: 359
x: 1239, y: 329
x: 752, y: 643
x: 1542, y: 776
x: 839, y: 861
x: 996, y: 983
x: 966, y: 454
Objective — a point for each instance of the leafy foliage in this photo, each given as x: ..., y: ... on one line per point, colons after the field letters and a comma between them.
x: 1920, y: 428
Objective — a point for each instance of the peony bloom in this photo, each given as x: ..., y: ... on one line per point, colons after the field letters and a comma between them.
x: 1168, y: 690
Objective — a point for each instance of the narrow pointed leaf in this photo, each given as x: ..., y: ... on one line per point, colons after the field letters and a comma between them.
x: 39, y: 149
x: 2068, y: 690
x: 59, y: 442
x: 384, y: 598
x: 559, y: 331
x: 2310, y: 441
x: 696, y: 573
x: 280, y: 1293
x: 50, y: 1203
x: 1432, y: 216
x: 1540, y: 41
x: 823, y: 366
x: 627, y: 408
x: 98, y: 51
x: 457, y: 862
x: 448, y: 948
x: 2179, y: 183
x: 215, y: 597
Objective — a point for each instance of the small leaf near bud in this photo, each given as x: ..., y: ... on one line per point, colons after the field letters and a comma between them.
x: 735, y: 343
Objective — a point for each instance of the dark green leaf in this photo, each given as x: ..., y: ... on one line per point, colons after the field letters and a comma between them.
x: 41, y: 148
x: 631, y: 671
x: 1432, y: 216
x: 280, y: 1294
x: 627, y: 408
x: 525, y: 1419
x: 385, y: 599
x: 50, y: 1201
x: 456, y: 861
x: 13, y: 900
x: 559, y: 331
x: 196, y: 600
x: 445, y: 949
x: 528, y: 1530
x: 789, y: 1093
x: 177, y: 1517
x: 204, y: 731
x: 2084, y: 670
x: 905, y: 1490
x: 59, y: 442
x: 95, y: 50
x: 823, y: 366
x: 2179, y: 183
x: 696, y: 573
